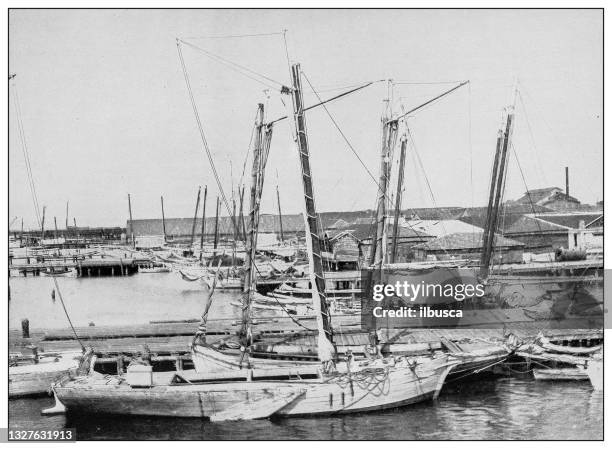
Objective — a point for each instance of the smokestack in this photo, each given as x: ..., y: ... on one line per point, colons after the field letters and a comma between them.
x: 566, y: 181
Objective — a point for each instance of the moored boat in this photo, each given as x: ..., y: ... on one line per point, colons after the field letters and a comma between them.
x: 354, y: 387
x: 63, y: 272
x: 230, y: 387
x: 154, y: 268
x: 34, y: 375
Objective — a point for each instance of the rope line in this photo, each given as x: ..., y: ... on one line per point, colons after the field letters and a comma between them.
x: 26, y: 155
x: 518, y: 163
x: 201, y: 130
x: 232, y: 36
x: 341, y: 132
x: 237, y: 67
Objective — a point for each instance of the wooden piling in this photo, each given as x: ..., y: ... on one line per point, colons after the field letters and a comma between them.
x: 25, y: 328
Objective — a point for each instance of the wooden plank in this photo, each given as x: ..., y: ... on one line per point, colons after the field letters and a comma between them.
x: 258, y: 409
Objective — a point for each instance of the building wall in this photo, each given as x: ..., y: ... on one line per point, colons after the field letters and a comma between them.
x: 405, y: 247
x: 562, y: 205
x: 541, y: 242
x: 347, y: 245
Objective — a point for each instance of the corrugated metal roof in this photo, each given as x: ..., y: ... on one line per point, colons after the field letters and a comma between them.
x: 466, y: 240
x: 552, y: 222
x: 511, y: 212
x: 542, y: 196
x: 439, y: 228
x: 528, y: 224
x: 433, y: 213
x: 570, y: 220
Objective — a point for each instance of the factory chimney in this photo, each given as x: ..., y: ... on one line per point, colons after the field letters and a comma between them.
x: 567, y: 181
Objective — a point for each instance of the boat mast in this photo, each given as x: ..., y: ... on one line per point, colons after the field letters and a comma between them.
x: 251, y: 241
x: 378, y: 251
x: 235, y: 235
x: 131, y: 222
x: 499, y: 177
x: 42, y: 226
x: 216, y: 242
x: 55, y: 222
x: 67, y: 216
x: 398, y: 198
x: 280, y: 215
x: 163, y: 219
x: 313, y: 239
x: 241, y: 225
x: 484, y: 259
x: 203, y: 230
x: 195, y: 217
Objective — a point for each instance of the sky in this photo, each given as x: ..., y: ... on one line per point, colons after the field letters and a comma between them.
x: 106, y: 111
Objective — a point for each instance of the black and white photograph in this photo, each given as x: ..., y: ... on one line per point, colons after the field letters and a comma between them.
x: 265, y: 223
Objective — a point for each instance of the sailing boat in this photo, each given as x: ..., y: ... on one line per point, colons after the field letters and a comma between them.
x: 223, y: 387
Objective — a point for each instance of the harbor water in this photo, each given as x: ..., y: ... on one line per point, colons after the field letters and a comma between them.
x: 505, y: 408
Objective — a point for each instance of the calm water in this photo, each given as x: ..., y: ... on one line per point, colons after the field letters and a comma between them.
x: 111, y: 300
x: 493, y: 409
x: 502, y: 409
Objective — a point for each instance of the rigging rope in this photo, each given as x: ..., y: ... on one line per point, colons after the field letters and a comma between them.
x: 231, y: 36
x: 66, y: 312
x: 527, y: 190
x: 286, y: 50
x: 202, y: 136
x: 433, y: 199
x: 341, y: 132
x: 533, y: 145
x: 238, y: 68
x: 426, y: 82
x: 26, y: 155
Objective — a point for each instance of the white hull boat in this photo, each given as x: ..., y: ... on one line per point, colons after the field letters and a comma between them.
x: 36, y: 378
x: 259, y: 393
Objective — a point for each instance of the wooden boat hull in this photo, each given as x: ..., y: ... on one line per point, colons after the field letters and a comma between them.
x: 67, y: 274
x: 361, y: 391
x: 37, y: 379
x: 33, y: 384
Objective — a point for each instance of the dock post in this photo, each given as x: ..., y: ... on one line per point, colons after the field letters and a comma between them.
x: 25, y: 328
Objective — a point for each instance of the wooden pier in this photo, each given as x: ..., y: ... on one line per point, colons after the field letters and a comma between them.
x: 175, y: 337
x: 85, y: 267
